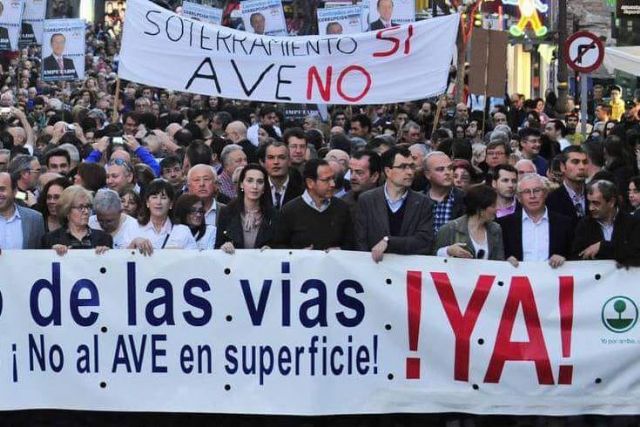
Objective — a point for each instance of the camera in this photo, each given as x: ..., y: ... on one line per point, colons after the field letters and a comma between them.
x: 117, y: 140
x: 70, y: 129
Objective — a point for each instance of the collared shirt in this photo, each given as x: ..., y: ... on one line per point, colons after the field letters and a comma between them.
x: 277, y: 194
x: 83, y: 243
x: 395, y: 205
x: 11, y: 231
x: 507, y: 210
x: 535, y: 237
x: 607, y: 228
x: 227, y: 187
x: 442, y: 210
x: 211, y: 215
x: 170, y: 236
x: 578, y: 200
x: 309, y: 201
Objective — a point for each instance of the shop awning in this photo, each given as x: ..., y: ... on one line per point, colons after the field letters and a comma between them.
x: 623, y: 58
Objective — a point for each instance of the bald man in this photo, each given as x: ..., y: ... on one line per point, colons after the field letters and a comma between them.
x: 202, y: 181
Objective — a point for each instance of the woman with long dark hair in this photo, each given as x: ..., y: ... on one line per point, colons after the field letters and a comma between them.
x: 189, y: 211
x: 48, y: 203
x: 248, y: 222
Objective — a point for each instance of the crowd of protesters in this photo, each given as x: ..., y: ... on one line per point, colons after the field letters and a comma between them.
x: 167, y: 170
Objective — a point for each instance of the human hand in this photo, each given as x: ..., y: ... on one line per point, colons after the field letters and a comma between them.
x: 458, y: 250
x: 591, y: 251
x: 61, y: 250
x: 228, y: 248
x: 556, y: 261
x: 377, y: 252
x: 144, y: 246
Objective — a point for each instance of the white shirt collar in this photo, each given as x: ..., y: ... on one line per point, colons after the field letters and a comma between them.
x: 526, y: 217
x: 166, y: 227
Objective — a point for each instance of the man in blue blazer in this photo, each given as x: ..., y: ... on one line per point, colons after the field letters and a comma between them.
x: 20, y: 227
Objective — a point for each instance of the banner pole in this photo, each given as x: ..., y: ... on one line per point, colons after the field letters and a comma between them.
x: 116, y: 99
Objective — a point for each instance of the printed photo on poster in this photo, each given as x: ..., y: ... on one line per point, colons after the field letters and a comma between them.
x: 264, y: 17
x: 60, y: 9
x: 32, y: 22
x: 389, y: 13
x: 339, y: 20
x: 202, y: 13
x: 63, y: 49
x: 10, y: 16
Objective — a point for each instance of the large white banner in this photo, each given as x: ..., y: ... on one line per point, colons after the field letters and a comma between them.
x: 63, y: 49
x: 10, y: 17
x: 32, y: 22
x: 309, y: 332
x: 162, y: 49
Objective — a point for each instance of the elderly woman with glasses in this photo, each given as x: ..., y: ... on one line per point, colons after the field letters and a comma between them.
x: 73, y: 210
x: 475, y: 234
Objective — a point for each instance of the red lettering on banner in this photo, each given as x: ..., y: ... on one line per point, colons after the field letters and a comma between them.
x: 462, y: 324
x: 407, y: 42
x: 343, y: 74
x: 394, y: 41
x: 314, y: 75
x: 414, y: 306
x: 534, y: 350
x: 565, y: 299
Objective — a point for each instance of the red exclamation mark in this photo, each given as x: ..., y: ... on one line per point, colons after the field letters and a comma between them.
x: 414, y: 304
x: 566, y: 325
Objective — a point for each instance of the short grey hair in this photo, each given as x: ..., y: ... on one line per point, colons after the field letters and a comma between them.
x: 530, y: 177
x: 411, y: 125
x: 422, y: 148
x: 425, y: 162
x: 20, y: 163
x: 607, y: 188
x: 107, y: 200
x: 228, y: 149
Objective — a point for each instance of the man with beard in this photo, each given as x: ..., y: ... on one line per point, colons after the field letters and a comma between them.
x: 570, y: 198
x: 365, y: 168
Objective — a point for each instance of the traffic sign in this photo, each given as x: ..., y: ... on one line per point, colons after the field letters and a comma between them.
x: 583, y: 52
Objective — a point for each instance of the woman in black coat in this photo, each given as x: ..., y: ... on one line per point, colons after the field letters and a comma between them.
x: 248, y: 222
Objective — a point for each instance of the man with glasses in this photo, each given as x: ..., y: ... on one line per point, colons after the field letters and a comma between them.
x: 119, y: 175
x: 448, y: 201
x: 316, y: 219
x: 530, y: 145
x: 25, y: 170
x: 533, y: 232
x: 393, y: 218
x: 171, y: 169
x: 497, y: 151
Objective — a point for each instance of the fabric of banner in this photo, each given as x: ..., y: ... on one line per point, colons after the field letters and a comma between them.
x: 314, y: 333
x: 409, y: 62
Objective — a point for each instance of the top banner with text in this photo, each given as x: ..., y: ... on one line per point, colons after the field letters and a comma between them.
x: 186, y: 331
x: 403, y: 63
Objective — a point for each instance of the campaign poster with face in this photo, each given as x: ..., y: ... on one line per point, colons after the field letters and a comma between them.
x: 32, y: 22
x: 388, y: 13
x: 340, y: 20
x: 10, y: 17
x: 264, y: 17
x: 63, y: 49
x: 202, y: 13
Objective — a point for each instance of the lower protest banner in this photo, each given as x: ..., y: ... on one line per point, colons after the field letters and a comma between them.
x: 315, y: 333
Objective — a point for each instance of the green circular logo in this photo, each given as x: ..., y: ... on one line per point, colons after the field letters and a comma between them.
x: 619, y: 314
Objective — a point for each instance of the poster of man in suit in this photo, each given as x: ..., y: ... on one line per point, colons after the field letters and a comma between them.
x: 389, y: 13
x: 32, y: 22
x: 339, y: 20
x: 264, y: 17
x: 10, y: 16
x: 63, y: 49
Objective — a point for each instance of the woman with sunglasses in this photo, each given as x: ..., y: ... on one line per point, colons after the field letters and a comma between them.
x: 248, y: 221
x: 155, y: 229
x: 189, y: 211
x: 73, y: 210
x: 475, y: 234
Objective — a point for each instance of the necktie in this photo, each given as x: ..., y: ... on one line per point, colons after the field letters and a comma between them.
x: 578, y: 206
x: 60, y: 64
x: 277, y: 204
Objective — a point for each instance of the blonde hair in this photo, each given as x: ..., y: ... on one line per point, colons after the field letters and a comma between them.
x: 70, y: 195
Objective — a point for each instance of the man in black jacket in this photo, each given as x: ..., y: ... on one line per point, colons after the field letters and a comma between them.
x: 285, y: 182
x: 608, y: 232
x: 570, y: 198
x: 534, y: 232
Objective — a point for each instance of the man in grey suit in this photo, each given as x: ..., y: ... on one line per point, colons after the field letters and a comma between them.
x: 393, y: 218
x: 20, y: 227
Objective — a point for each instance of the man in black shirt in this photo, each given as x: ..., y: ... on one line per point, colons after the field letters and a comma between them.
x: 316, y: 220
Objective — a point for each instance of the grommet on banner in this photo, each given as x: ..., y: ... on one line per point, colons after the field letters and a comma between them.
x: 227, y: 387
x: 103, y: 329
x: 598, y: 276
x: 445, y: 260
x: 390, y: 376
x: 598, y: 380
x: 500, y: 283
x: 388, y: 281
x: 103, y: 270
x: 387, y: 327
x: 476, y: 387
x: 227, y: 271
x: 480, y: 341
x: 103, y: 384
x: 133, y: 252
x: 229, y: 318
